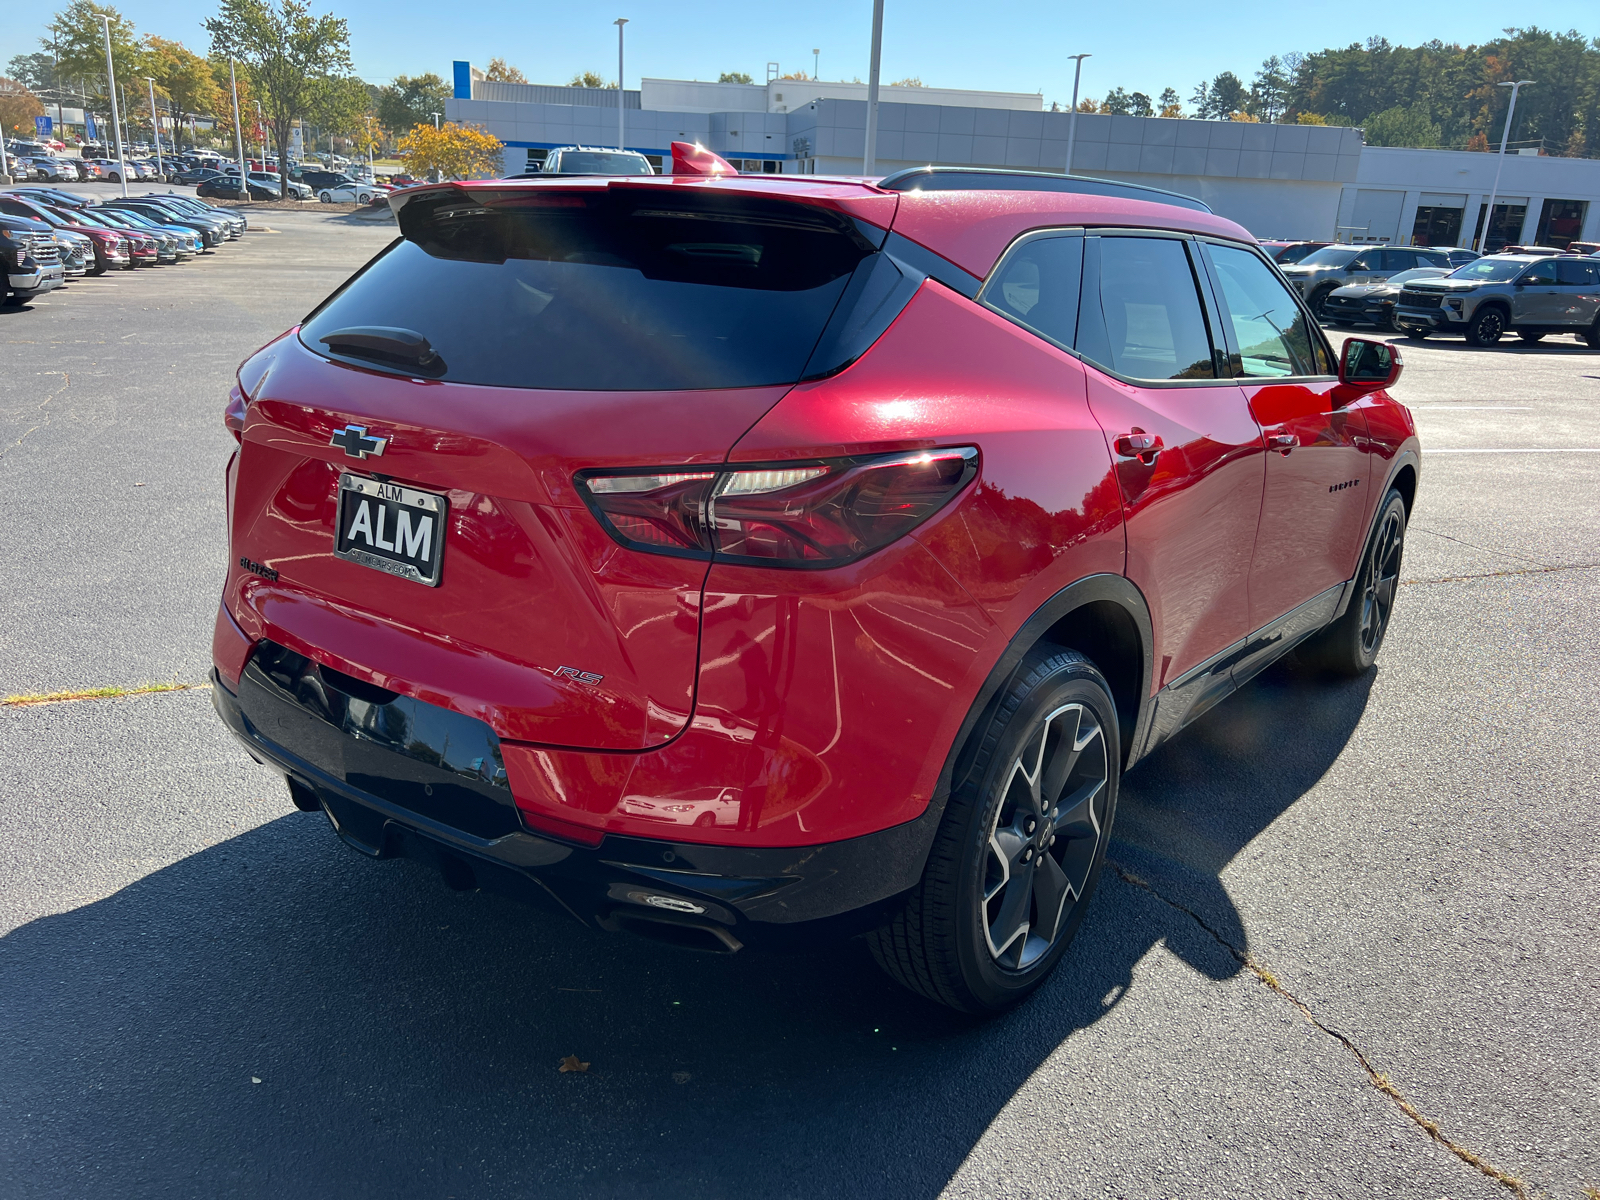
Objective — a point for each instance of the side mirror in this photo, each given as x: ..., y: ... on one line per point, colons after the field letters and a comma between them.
x: 1369, y: 364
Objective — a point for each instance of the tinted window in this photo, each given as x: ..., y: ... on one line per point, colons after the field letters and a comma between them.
x: 1367, y: 262
x: 1037, y: 287
x: 1577, y: 274
x: 602, y: 162
x: 1328, y: 256
x: 1399, y: 260
x: 1143, y: 317
x: 606, y: 291
x: 1544, y: 272
x: 1271, y: 330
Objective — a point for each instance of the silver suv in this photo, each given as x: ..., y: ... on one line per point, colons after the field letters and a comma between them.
x: 593, y: 160
x: 1318, y: 273
x: 1521, y: 293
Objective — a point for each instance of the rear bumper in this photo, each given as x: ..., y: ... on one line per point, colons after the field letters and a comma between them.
x: 387, y: 805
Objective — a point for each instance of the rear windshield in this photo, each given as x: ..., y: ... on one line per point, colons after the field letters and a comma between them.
x: 602, y: 162
x: 1328, y: 256
x: 1490, y: 270
x: 617, y: 290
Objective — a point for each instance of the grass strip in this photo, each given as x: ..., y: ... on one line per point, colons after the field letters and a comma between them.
x: 28, y: 699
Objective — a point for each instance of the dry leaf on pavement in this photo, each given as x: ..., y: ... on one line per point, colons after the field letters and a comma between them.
x: 571, y: 1063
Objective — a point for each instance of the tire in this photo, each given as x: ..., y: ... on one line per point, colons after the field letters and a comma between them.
x: 1592, y: 335
x: 1349, y: 646
x: 969, y: 934
x: 1487, y: 328
x: 1531, y: 339
x: 115, y: 178
x: 1318, y: 300
x: 1417, y: 335
x: 326, y: 197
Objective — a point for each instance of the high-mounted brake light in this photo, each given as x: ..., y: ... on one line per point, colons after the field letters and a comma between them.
x: 821, y: 514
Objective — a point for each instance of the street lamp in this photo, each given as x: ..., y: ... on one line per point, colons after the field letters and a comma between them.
x: 116, y: 126
x: 619, y: 23
x: 238, y: 134
x: 1505, y: 136
x: 155, y: 125
x: 816, y: 65
x: 869, y: 159
x: 1072, y: 117
x: 261, y: 131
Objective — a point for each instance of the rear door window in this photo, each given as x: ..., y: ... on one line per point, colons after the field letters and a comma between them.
x: 1141, y: 314
x: 615, y: 290
x: 1575, y: 273
x: 1272, y: 332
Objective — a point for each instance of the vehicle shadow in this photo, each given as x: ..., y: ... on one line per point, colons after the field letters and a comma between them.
x: 277, y: 1016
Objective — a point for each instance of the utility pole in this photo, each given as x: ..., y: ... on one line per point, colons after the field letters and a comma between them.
x: 238, y: 134
x: 619, y: 23
x: 155, y: 125
x: 816, y: 65
x: 1500, y: 162
x: 111, y: 87
x: 1072, y: 117
x: 869, y: 160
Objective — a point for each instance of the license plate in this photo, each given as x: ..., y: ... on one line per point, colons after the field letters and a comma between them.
x: 391, y: 528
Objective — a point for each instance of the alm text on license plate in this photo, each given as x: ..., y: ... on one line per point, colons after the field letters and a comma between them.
x: 391, y: 528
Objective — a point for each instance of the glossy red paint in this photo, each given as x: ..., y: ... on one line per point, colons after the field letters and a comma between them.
x: 1317, y: 486
x: 691, y: 159
x: 762, y: 707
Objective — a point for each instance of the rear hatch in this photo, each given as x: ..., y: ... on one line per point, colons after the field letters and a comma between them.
x: 507, y: 341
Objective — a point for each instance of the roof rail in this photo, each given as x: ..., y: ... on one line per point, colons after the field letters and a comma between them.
x: 962, y: 179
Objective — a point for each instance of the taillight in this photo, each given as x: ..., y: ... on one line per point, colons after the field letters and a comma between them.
x: 233, y: 416
x: 817, y: 514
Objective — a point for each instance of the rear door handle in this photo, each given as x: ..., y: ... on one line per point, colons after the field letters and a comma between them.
x: 1283, y: 442
x: 1140, y: 445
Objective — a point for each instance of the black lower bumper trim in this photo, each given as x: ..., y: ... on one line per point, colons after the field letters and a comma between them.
x: 761, y: 897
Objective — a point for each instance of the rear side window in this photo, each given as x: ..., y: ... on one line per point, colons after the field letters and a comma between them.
x: 620, y: 290
x: 1577, y: 274
x: 1037, y: 287
x: 1141, y: 313
x: 1271, y: 331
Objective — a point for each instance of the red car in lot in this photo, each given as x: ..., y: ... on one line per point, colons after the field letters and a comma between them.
x: 742, y: 560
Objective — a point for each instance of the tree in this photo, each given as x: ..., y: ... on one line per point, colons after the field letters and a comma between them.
x: 1139, y: 105
x: 1171, y: 105
x: 340, y: 106
x: 455, y: 151
x: 18, y: 108
x: 288, y: 53
x: 1402, y: 127
x: 588, y: 79
x: 1117, y: 103
x: 1311, y: 119
x: 1269, y: 94
x: 33, y: 71
x: 224, y: 110
x: 1228, y: 95
x: 502, y: 72
x: 1088, y: 106
x: 79, y: 35
x: 802, y: 77
x: 1478, y: 143
x: 908, y: 81
x: 412, y: 101
x: 1201, y: 99
x: 183, y: 79
x: 734, y: 77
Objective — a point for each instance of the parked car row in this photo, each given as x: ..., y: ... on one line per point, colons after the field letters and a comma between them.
x: 48, y: 236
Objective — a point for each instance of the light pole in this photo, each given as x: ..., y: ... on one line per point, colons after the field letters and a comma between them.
x: 435, y: 117
x: 111, y: 87
x: 869, y: 159
x: 619, y: 23
x: 238, y: 135
x: 816, y: 65
x: 1072, y: 117
x: 261, y: 135
x: 155, y: 125
x: 1505, y: 136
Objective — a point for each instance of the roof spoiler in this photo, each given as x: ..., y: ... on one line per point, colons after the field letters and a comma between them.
x: 691, y: 158
x: 963, y: 179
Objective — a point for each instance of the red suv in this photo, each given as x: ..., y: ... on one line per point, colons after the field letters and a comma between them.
x: 733, y: 560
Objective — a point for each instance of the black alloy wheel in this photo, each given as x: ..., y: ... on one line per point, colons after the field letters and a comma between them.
x: 1319, y: 303
x: 1349, y: 646
x: 1021, y: 844
x: 1487, y: 328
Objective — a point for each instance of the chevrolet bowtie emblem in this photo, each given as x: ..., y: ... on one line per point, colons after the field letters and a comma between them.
x: 353, y: 440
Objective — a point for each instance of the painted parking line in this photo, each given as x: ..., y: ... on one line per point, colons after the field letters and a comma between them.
x: 1470, y: 407
x: 1534, y: 450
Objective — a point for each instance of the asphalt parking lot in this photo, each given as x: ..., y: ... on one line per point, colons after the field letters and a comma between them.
x: 1321, y: 890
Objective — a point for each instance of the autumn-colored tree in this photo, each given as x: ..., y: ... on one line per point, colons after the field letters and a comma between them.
x: 735, y: 77
x: 77, y: 34
x: 588, y: 79
x: 1171, y: 104
x: 455, y: 151
x: 908, y: 81
x: 1310, y: 119
x: 185, y: 84
x: 1479, y: 142
x: 18, y: 108
x: 501, y: 71
x: 1088, y: 106
x: 1247, y: 118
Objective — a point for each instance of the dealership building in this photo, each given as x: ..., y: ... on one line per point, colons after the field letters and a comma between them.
x: 1278, y: 181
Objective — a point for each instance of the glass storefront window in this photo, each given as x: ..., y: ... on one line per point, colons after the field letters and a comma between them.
x: 1560, y: 222
x: 1436, y: 226
x: 1505, y: 230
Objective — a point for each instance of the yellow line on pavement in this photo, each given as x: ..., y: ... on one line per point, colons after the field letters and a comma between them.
x: 29, y: 699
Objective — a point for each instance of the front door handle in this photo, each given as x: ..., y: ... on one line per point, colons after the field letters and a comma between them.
x: 1283, y: 442
x: 1139, y: 444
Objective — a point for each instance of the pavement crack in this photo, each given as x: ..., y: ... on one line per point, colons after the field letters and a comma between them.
x: 33, y: 699
x: 66, y: 382
x: 1482, y: 549
x: 1378, y: 1079
x: 1504, y: 574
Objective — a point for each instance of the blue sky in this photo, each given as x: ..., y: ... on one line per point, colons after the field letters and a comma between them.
x: 1017, y: 46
